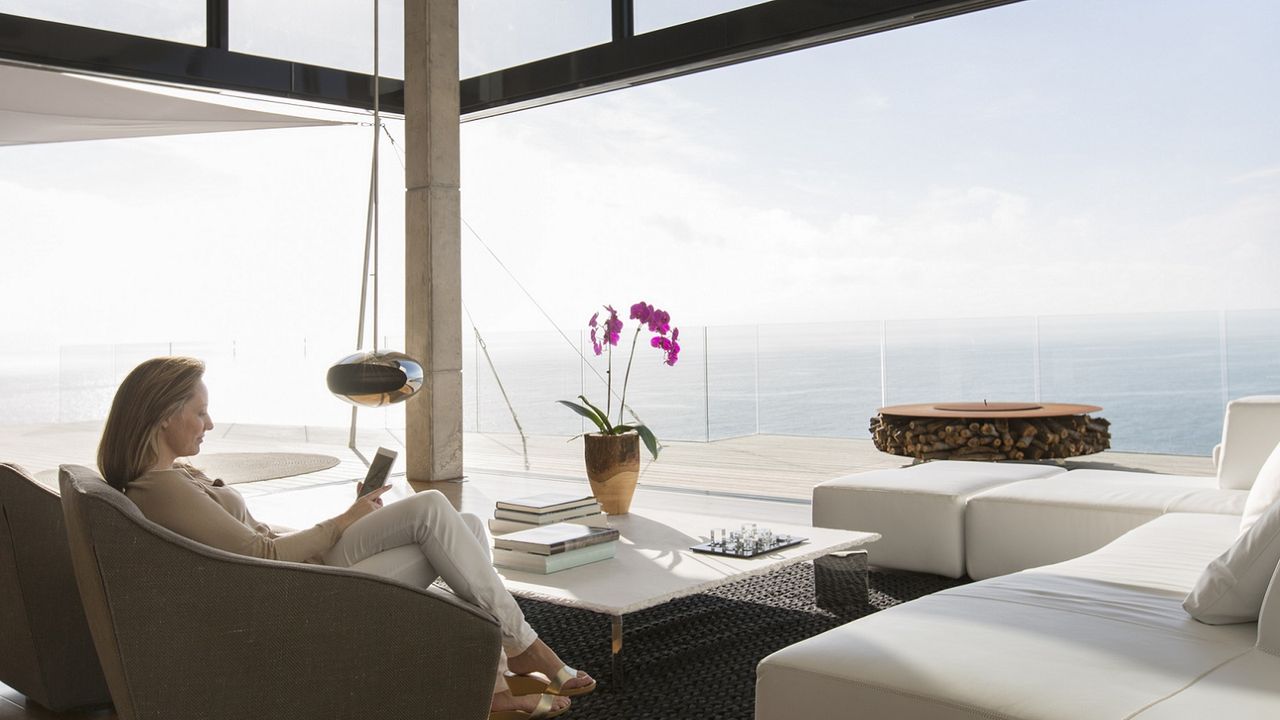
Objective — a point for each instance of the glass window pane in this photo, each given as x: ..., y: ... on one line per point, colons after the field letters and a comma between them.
x: 1158, y: 377
x: 177, y: 20
x: 671, y: 400
x: 329, y: 33
x: 820, y: 380
x: 1253, y: 353
x: 535, y: 370
x: 732, y: 381
x: 497, y: 34
x: 655, y: 14
x: 965, y: 360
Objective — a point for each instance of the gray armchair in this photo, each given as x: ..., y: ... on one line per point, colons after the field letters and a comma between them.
x: 187, y: 631
x: 46, y: 652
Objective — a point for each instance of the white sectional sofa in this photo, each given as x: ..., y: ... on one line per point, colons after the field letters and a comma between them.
x: 1098, y: 637
x: 1000, y: 518
x: 1081, y: 615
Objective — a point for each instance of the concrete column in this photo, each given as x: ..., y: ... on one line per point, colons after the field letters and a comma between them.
x: 433, y: 237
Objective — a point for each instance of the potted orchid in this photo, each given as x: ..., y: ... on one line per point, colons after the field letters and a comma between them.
x: 613, y: 454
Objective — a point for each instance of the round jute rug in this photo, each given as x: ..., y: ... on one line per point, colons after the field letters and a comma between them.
x: 235, y: 468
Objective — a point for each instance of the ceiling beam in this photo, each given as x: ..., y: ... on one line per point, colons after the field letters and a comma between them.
x: 749, y: 33
x: 101, y: 52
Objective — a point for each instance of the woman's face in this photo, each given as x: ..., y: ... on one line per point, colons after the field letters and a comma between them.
x: 182, y: 433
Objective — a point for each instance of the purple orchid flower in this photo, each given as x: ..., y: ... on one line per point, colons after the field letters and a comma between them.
x: 612, y: 326
x: 660, y: 322
x: 641, y: 311
x: 595, y: 344
x: 668, y: 345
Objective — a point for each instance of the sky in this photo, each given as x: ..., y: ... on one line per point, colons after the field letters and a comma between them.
x: 1045, y: 158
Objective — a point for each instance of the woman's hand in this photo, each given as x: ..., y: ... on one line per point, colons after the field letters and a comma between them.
x: 362, y: 506
x: 360, y: 489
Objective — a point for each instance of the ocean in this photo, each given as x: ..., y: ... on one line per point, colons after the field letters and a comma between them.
x: 1163, y: 379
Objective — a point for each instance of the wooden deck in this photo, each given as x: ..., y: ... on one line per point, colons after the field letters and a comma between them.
x: 757, y: 466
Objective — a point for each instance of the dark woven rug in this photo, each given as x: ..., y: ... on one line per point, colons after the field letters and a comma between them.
x: 696, y: 657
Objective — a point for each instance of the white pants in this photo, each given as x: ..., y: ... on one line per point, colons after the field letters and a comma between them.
x: 423, y: 537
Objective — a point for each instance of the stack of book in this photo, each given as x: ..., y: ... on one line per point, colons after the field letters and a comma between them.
x: 533, y: 511
x: 554, y: 547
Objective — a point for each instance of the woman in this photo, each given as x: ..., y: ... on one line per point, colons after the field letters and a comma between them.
x: 160, y: 414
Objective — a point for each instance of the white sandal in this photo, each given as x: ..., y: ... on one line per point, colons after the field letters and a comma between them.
x: 544, y: 709
x: 528, y: 684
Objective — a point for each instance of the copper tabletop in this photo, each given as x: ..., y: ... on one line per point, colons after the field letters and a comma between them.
x: 988, y: 410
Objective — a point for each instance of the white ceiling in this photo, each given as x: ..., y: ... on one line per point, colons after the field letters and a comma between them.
x: 46, y: 106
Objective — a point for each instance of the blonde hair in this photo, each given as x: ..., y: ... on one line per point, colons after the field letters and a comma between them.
x: 151, y: 393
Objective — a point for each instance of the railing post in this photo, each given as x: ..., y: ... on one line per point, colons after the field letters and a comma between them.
x: 706, y: 383
x: 475, y: 382
x: 757, y: 379
x: 1035, y: 370
x: 884, y: 366
x: 1223, y: 359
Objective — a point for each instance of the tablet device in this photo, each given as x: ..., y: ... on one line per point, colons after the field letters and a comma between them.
x: 379, y: 471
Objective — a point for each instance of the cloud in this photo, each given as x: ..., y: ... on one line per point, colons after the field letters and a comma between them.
x: 1267, y: 173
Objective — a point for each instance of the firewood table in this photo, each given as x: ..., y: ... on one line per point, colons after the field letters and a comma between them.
x: 990, y: 431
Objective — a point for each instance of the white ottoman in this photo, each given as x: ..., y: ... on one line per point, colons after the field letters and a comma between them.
x: 918, y: 510
x: 1049, y: 520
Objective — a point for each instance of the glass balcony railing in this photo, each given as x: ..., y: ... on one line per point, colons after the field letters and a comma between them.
x: 1162, y: 378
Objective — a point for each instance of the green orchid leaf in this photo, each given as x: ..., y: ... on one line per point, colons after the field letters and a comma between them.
x: 606, y: 427
x: 650, y: 440
x: 586, y: 413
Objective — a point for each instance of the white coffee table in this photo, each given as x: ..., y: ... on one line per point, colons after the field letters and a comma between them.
x: 654, y: 565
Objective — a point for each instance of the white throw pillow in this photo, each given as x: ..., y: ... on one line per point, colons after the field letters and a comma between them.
x: 1231, y: 588
x: 1265, y: 491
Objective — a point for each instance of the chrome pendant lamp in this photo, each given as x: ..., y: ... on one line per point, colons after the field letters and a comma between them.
x: 377, y: 377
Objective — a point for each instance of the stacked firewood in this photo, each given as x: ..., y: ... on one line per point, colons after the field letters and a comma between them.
x: 991, y: 439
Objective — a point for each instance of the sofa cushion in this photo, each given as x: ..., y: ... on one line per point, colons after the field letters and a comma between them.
x: 1265, y: 491
x: 1048, y: 520
x: 1060, y: 642
x: 1250, y: 429
x: 1242, y: 689
x: 1167, y: 554
x: 1231, y: 588
x: 918, y: 510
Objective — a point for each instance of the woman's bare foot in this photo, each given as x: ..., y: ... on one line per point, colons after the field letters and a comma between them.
x: 506, y: 701
x: 540, y: 658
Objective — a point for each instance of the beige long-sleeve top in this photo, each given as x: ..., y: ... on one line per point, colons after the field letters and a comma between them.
x: 204, y: 510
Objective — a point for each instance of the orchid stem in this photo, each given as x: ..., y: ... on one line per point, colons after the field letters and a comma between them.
x: 622, y: 404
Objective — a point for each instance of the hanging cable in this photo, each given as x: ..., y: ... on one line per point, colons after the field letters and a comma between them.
x: 546, y: 315
x: 524, y: 442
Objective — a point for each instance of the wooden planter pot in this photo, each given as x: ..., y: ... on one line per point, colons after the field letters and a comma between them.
x: 613, y: 466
